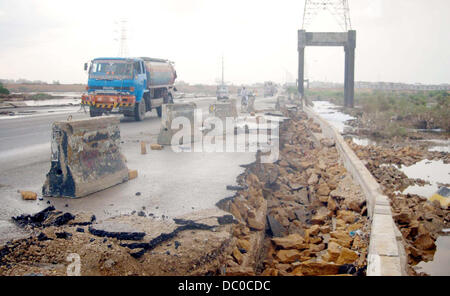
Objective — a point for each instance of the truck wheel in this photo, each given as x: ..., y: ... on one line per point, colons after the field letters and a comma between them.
x: 94, y: 113
x: 139, y: 111
x: 159, y: 111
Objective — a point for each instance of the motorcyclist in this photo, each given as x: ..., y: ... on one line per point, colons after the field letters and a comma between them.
x: 244, y: 97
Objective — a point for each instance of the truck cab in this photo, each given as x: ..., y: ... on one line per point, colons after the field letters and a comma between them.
x: 222, y: 92
x: 130, y: 86
x: 269, y: 89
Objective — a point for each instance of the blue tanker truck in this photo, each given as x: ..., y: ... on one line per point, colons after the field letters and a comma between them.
x: 130, y: 86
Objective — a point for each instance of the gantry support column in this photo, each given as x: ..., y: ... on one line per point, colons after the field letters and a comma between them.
x: 349, y: 82
x: 345, y: 39
x: 301, y: 62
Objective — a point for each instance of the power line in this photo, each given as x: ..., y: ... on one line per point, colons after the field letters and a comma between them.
x: 339, y: 9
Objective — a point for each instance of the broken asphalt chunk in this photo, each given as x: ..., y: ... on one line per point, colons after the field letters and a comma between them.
x: 235, y: 188
x: 63, y: 235
x: 118, y: 235
x: 276, y: 228
x: 227, y: 219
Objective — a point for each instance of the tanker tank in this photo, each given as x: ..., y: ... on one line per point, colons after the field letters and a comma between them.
x: 159, y: 72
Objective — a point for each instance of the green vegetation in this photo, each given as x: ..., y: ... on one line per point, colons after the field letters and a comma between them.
x: 391, y: 113
x: 40, y: 96
x: 334, y: 96
x: 3, y: 90
x: 292, y: 90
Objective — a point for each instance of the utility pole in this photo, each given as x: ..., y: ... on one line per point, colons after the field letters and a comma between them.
x: 223, y: 81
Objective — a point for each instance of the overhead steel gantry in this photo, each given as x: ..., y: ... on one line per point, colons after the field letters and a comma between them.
x: 340, y: 10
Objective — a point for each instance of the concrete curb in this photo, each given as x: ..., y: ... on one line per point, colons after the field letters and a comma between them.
x: 387, y: 256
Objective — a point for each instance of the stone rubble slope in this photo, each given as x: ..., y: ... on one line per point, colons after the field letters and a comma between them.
x: 419, y: 220
x: 302, y: 215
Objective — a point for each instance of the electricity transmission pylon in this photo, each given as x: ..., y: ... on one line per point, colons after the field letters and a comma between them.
x: 339, y: 9
x: 123, y: 38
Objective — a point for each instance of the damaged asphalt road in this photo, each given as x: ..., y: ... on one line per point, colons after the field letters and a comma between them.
x: 170, y: 195
x: 51, y: 242
x: 164, y: 239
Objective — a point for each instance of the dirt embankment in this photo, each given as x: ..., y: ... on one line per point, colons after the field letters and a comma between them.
x: 144, y: 246
x: 419, y: 221
x: 26, y: 88
x: 316, y: 220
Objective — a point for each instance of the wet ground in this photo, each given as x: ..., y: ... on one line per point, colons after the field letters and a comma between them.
x: 169, y: 183
x: 330, y: 113
x: 435, y: 172
x: 441, y: 262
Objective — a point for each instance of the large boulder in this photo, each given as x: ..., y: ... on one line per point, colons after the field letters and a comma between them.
x: 288, y: 256
x: 311, y: 268
x: 293, y: 241
x: 275, y: 227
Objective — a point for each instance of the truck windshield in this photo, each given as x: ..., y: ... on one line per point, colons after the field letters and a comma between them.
x: 111, y: 69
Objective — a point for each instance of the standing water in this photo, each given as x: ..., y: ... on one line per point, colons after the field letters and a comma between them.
x: 434, y: 172
x: 330, y: 113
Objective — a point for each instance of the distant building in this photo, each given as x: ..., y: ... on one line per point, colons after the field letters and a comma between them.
x: 383, y: 86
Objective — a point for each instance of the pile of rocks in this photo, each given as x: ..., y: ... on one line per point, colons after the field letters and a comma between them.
x: 249, y: 209
x: 392, y: 154
x: 419, y: 220
x: 316, y: 219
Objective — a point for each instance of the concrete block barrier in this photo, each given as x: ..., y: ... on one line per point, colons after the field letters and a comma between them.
x: 223, y: 110
x: 387, y: 256
x: 251, y: 104
x: 281, y: 103
x: 85, y: 157
x: 172, y: 116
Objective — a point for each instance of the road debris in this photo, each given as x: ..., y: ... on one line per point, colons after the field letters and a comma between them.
x: 156, y: 147
x: 28, y: 195
x: 132, y: 174
x: 143, y: 148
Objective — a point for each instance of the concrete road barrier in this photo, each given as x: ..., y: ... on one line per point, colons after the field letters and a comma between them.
x: 172, y: 116
x: 281, y: 103
x: 251, y: 104
x: 85, y: 157
x: 223, y: 110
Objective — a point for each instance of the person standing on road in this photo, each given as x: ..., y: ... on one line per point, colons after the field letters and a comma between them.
x: 244, y: 98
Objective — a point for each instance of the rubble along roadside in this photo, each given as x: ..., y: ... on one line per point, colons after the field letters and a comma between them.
x: 142, y: 246
x: 302, y: 215
x: 419, y: 220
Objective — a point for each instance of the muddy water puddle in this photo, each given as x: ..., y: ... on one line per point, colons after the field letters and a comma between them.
x: 439, y: 145
x: 440, y: 266
x: 433, y: 171
x: 330, y: 113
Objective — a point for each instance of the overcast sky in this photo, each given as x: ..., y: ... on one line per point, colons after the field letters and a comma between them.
x: 397, y: 40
